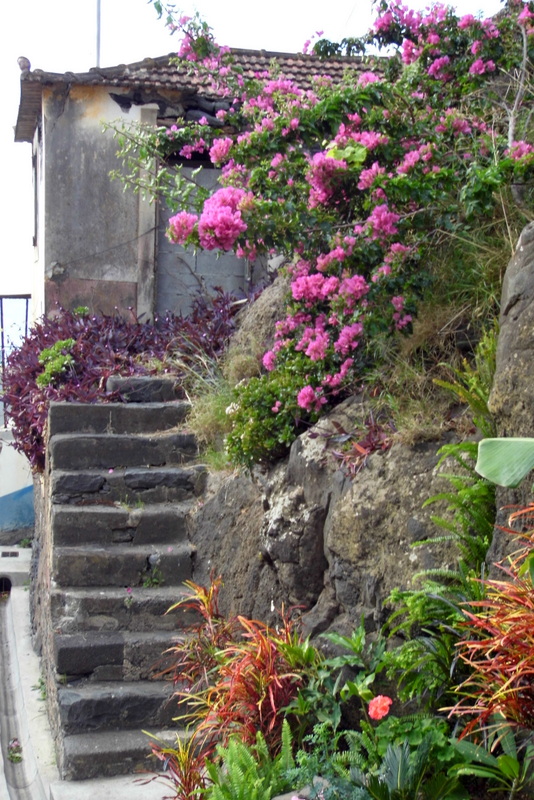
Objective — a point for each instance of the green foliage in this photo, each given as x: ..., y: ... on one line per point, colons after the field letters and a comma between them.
x: 366, y: 764
x: 152, y: 578
x: 40, y: 687
x: 505, y: 461
x: 431, y: 617
x: 405, y: 775
x: 250, y: 772
x: 474, y: 381
x: 55, y: 361
x: 511, y: 771
x: 472, y: 502
x: 257, y: 433
x: 333, y: 681
x: 414, y: 729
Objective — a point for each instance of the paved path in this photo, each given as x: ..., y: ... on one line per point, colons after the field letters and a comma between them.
x: 23, y: 712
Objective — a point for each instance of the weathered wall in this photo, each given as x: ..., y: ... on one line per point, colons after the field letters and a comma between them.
x: 181, y: 272
x: 98, y: 241
x: 103, y: 247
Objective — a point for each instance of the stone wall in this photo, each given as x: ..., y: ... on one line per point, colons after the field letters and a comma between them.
x: 305, y: 534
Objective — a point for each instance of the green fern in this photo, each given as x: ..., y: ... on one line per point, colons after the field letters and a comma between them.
x: 241, y: 772
x: 474, y: 381
x: 472, y: 503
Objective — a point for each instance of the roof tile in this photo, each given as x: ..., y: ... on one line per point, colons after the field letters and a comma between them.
x: 162, y: 74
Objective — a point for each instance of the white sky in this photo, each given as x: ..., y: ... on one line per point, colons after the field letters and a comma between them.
x: 60, y: 36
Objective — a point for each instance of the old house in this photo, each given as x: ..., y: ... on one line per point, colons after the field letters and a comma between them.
x: 95, y: 244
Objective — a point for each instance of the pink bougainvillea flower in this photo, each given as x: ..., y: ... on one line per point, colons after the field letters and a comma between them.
x: 519, y: 150
x: 269, y: 360
x: 220, y: 149
x: 321, y: 176
x: 308, y: 398
x: 383, y: 222
x: 368, y: 77
x: 181, y: 226
x: 379, y: 706
x: 221, y: 223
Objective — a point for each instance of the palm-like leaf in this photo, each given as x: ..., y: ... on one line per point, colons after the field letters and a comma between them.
x: 505, y: 461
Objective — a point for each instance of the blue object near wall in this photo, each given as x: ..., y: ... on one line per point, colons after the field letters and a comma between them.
x: 16, y: 510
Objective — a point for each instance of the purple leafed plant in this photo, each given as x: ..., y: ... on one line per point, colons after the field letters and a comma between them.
x: 104, y: 346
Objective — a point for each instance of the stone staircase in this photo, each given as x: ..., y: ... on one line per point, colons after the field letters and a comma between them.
x: 122, y: 480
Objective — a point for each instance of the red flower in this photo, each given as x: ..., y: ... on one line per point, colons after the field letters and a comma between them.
x: 379, y: 706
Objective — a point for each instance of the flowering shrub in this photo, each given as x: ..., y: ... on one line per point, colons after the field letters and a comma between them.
x: 354, y: 182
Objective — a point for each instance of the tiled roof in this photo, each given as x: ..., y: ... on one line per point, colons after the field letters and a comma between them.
x: 161, y: 75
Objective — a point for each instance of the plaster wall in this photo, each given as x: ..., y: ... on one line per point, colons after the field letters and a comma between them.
x: 97, y: 241
x: 15, y: 486
x: 38, y: 276
x: 15, y: 470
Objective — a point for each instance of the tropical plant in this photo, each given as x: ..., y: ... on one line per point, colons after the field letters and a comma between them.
x: 183, y: 765
x: 472, y: 502
x: 472, y: 382
x: 233, y: 677
x: 333, y: 681
x: 405, y: 775
x: 511, y: 771
x: 505, y: 461
x: 500, y: 653
x: 430, y: 617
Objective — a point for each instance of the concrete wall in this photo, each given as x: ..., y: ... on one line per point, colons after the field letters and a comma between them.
x: 181, y: 272
x: 98, y: 242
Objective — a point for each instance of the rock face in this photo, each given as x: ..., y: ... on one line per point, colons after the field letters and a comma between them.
x: 306, y: 534
x: 512, y: 398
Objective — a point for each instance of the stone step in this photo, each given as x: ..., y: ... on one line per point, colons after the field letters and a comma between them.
x: 114, y: 655
x: 71, y: 451
x: 117, y: 706
x: 110, y: 525
x: 116, y: 417
x: 122, y: 565
x: 145, y: 388
x: 86, y: 756
x: 101, y: 608
x: 131, y: 486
